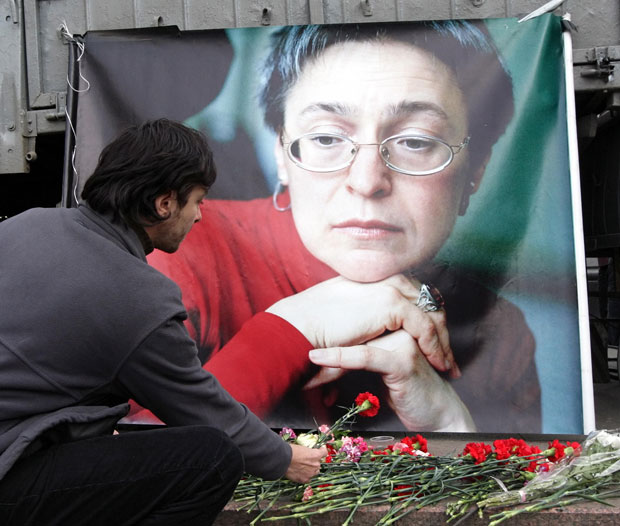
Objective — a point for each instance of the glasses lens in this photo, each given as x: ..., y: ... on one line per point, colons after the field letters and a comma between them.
x: 322, y: 152
x: 416, y: 153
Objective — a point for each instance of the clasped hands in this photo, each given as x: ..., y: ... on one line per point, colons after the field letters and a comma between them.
x: 377, y: 327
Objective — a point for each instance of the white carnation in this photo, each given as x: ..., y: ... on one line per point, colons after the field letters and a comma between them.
x: 306, y: 439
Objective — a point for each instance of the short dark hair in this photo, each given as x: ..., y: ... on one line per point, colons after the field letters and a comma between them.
x: 466, y: 47
x: 144, y: 162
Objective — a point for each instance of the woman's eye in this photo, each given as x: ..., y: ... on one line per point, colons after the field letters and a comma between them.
x: 325, y: 140
x: 415, y: 143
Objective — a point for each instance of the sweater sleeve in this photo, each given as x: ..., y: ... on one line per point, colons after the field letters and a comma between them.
x: 274, y: 356
x: 165, y: 376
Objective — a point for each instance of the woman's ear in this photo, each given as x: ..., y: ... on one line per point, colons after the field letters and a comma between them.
x: 279, y: 155
x: 472, y: 185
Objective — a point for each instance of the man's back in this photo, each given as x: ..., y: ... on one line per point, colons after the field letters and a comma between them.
x: 77, y: 299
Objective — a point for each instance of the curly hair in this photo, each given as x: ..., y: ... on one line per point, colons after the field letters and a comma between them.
x: 144, y: 162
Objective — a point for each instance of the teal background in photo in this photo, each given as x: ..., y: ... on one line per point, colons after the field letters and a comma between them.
x: 519, y: 229
x: 236, y: 109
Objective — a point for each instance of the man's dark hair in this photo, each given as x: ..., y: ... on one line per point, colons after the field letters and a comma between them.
x: 465, y: 47
x: 147, y: 161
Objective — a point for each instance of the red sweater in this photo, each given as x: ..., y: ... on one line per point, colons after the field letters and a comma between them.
x: 250, y: 257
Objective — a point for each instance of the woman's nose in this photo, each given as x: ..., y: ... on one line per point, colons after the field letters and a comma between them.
x: 368, y: 175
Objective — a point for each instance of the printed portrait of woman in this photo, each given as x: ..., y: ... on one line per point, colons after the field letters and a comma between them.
x: 403, y: 227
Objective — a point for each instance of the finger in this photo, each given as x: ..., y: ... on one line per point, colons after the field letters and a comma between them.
x: 322, y: 451
x: 324, y: 376
x: 441, y: 324
x: 361, y: 357
x: 431, y: 333
x: 434, y: 341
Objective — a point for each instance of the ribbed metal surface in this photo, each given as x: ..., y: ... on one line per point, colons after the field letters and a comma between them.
x: 598, y: 20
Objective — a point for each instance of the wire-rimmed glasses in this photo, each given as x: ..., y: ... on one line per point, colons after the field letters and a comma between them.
x: 409, y: 154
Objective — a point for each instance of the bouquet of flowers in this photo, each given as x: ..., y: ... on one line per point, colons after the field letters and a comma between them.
x: 406, y: 477
x: 590, y: 474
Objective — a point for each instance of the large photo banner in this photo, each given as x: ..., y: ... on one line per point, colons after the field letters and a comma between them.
x: 348, y: 155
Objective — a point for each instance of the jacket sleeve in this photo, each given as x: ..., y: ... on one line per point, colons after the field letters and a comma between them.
x: 165, y: 376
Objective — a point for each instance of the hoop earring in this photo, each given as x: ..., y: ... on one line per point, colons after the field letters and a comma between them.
x: 465, y: 198
x: 278, y: 189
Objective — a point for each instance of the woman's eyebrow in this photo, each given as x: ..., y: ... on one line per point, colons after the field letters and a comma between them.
x: 329, y: 107
x: 409, y: 107
x: 403, y: 108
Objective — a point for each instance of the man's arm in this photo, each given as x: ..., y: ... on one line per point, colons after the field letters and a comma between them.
x: 165, y: 376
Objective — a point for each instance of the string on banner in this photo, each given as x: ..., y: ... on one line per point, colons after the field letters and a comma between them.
x: 79, y: 43
x: 64, y: 31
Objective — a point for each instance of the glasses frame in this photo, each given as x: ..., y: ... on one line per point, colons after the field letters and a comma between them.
x: 454, y: 149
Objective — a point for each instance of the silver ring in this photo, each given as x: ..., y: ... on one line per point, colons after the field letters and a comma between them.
x: 430, y: 299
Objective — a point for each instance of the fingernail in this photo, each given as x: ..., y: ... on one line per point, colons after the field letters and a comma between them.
x: 447, y: 365
x: 316, y: 354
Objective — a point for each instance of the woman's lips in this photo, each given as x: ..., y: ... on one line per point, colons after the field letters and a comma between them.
x: 367, y: 229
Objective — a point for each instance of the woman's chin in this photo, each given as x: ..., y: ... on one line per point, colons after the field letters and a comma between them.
x: 368, y: 273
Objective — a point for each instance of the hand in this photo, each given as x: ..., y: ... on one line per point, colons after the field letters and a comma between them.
x: 305, y: 463
x: 421, y: 399
x: 339, y: 312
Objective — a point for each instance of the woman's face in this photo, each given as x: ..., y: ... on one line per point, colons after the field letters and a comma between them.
x: 367, y: 221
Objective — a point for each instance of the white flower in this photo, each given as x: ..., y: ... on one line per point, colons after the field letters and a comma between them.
x: 306, y: 439
x: 608, y: 439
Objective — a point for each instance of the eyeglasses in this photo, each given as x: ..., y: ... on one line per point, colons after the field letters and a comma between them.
x: 407, y: 154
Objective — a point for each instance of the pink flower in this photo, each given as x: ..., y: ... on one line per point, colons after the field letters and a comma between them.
x: 361, y: 444
x: 400, y: 447
x: 350, y: 449
x: 288, y: 433
x: 358, y: 442
x: 307, y: 493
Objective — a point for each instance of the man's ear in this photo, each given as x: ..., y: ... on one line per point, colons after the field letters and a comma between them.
x: 472, y: 185
x: 165, y: 204
x: 278, y: 151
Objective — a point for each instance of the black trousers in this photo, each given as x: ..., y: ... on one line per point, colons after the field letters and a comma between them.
x: 173, y: 476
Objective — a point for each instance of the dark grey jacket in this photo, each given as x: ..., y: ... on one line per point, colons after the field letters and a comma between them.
x: 85, y: 325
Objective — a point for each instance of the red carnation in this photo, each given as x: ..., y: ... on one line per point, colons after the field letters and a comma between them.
x: 478, y: 451
x: 403, y: 490
x: 509, y: 447
x: 331, y: 453
x: 502, y: 450
x: 560, y: 449
x: 418, y: 442
x: 505, y: 448
x: 368, y: 404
